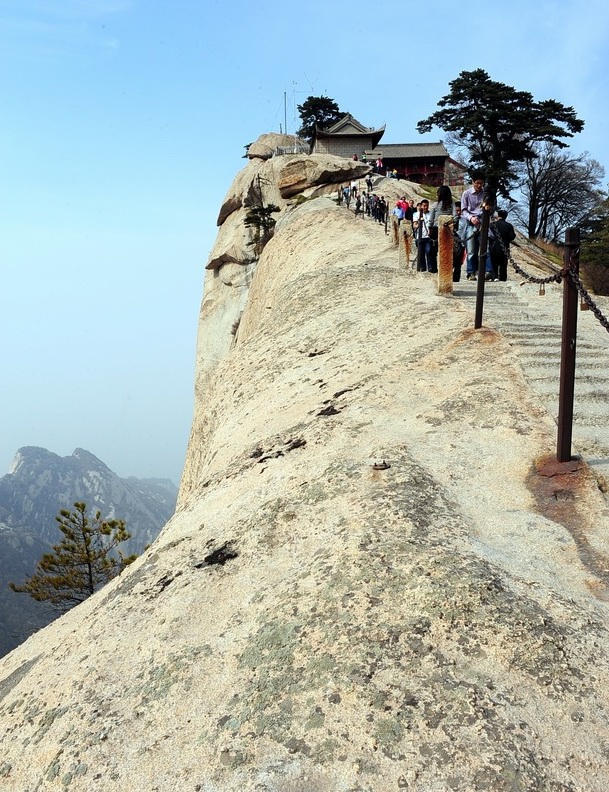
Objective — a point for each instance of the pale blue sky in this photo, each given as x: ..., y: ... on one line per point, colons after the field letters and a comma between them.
x: 123, y: 123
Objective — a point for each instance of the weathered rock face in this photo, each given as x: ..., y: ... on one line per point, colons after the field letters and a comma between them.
x: 283, y: 177
x: 357, y: 592
x: 243, y: 189
x: 233, y: 257
x: 304, y: 171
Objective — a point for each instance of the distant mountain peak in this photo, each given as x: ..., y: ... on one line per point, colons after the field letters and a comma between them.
x: 27, y: 455
x: 87, y: 458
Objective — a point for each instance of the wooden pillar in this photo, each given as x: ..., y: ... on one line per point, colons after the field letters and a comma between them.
x: 395, y: 230
x: 445, y: 255
x: 405, y: 245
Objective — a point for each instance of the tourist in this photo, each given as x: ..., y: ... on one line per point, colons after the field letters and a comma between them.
x: 458, y: 245
x: 425, y: 259
x: 499, y: 243
x: 409, y: 211
x: 471, y: 210
x: 398, y: 211
x: 443, y: 206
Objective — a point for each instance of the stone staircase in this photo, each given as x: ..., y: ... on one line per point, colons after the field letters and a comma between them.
x: 532, y: 325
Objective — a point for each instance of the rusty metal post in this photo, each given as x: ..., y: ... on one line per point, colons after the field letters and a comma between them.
x: 486, y: 219
x: 400, y: 249
x: 568, y: 347
x: 445, y: 254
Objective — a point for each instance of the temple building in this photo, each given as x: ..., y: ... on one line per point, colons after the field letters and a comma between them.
x: 346, y: 138
x: 424, y: 163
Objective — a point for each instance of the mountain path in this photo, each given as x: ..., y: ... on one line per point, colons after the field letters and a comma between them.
x: 532, y: 325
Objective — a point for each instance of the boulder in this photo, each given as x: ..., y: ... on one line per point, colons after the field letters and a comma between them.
x: 257, y: 180
x: 273, y: 143
x: 298, y: 173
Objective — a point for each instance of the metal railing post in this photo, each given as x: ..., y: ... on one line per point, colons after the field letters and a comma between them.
x: 568, y: 346
x: 486, y: 219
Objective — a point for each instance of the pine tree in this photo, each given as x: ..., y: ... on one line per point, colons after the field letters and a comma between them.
x: 81, y: 563
x: 498, y: 125
x: 317, y: 111
x: 260, y: 218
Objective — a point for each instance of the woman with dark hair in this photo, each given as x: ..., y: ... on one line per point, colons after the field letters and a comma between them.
x: 443, y: 205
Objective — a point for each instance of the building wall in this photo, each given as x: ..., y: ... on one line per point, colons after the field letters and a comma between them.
x: 345, y: 146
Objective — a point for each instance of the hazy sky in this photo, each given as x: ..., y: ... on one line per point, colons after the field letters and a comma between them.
x: 123, y: 123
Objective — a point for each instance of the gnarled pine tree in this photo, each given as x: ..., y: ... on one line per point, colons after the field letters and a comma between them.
x: 81, y: 563
x: 317, y: 111
x: 499, y: 125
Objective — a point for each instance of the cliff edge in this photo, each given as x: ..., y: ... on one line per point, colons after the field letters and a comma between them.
x: 364, y: 588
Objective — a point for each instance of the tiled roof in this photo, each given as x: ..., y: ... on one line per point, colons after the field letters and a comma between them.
x: 408, y: 150
x: 353, y: 127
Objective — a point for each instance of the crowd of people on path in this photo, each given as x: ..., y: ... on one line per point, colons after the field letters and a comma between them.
x: 365, y: 203
x: 466, y: 225
x: 466, y: 217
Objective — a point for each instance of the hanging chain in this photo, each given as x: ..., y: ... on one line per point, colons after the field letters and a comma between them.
x: 587, y: 299
x: 568, y: 270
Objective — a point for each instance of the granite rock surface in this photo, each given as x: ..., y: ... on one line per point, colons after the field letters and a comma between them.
x: 363, y: 588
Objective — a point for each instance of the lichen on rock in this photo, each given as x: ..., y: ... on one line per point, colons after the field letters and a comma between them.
x: 312, y: 620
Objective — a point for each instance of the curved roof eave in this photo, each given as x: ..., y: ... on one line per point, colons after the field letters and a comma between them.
x: 376, y: 134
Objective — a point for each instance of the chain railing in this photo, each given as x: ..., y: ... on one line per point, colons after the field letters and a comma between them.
x: 557, y: 277
x: 572, y: 289
x: 587, y: 299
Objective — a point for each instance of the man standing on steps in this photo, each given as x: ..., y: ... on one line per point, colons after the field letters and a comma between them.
x: 503, y: 233
x: 471, y: 210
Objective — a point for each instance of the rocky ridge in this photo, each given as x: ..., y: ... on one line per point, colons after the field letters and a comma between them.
x: 364, y: 587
